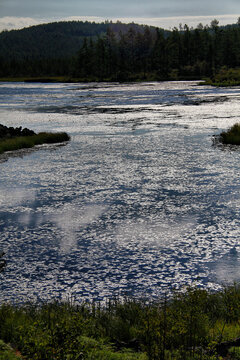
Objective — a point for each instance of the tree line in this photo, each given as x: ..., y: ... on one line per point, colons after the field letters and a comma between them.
x: 182, y: 53
x: 137, y: 53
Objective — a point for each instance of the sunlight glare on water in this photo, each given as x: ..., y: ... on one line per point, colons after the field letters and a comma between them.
x: 139, y: 202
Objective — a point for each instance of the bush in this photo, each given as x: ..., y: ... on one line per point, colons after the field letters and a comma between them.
x: 235, y: 353
x: 232, y: 136
x: 225, y: 77
x: 6, y: 352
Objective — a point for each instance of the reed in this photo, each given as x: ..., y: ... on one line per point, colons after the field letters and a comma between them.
x: 24, y: 142
x: 192, y: 325
x: 231, y: 136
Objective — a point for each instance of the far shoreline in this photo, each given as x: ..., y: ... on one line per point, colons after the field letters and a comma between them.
x: 65, y: 79
x: 72, y: 80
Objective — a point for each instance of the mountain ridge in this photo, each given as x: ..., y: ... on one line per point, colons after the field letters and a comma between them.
x: 56, y: 39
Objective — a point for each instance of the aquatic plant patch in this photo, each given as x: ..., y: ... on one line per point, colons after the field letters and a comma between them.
x: 24, y: 142
x: 231, y: 136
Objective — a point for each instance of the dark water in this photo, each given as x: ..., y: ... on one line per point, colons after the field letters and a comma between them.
x: 138, y: 202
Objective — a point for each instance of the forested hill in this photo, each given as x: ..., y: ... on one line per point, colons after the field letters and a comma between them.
x: 55, y: 40
x: 109, y: 51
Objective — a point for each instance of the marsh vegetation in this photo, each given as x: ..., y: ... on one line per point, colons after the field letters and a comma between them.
x: 194, y: 324
x: 225, y: 77
x: 17, y: 138
x: 231, y: 136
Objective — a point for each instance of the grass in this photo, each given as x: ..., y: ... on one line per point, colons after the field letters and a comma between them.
x: 225, y: 77
x: 7, y: 353
x: 23, y: 142
x: 70, y: 79
x: 47, y: 79
x: 231, y: 136
x: 119, y: 77
x: 189, y: 326
x: 235, y: 353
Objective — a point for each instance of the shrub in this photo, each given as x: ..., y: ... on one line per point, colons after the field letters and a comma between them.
x: 192, y: 325
x: 232, y: 136
x: 7, y: 353
x: 235, y: 353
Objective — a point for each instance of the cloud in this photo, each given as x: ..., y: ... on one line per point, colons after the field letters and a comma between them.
x: 170, y: 22
x: 191, y: 21
x: 113, y: 8
x: 227, y: 268
x: 11, y: 22
x: 70, y: 220
x: 15, y: 197
x: 158, y: 232
x: 14, y: 23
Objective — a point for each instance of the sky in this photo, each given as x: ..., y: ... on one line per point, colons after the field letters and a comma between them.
x: 15, y: 14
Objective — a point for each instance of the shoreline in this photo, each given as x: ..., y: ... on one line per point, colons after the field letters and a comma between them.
x: 13, y: 139
x: 67, y: 79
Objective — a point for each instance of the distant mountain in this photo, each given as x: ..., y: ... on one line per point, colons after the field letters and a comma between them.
x: 54, y: 40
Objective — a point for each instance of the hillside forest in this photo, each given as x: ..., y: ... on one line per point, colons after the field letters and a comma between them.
x: 119, y: 52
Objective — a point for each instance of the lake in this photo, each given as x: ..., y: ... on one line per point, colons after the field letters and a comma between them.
x: 139, y: 202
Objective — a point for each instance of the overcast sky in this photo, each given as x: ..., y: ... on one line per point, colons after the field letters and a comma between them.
x: 163, y: 13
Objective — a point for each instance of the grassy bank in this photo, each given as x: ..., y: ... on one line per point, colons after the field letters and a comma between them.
x: 67, y: 79
x: 48, y: 79
x: 225, y: 78
x: 123, y: 77
x: 193, y: 325
x: 231, y: 136
x: 23, y: 142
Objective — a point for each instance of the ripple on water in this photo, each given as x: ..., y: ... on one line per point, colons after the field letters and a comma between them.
x: 138, y: 202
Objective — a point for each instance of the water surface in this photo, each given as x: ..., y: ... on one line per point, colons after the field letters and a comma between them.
x: 139, y: 201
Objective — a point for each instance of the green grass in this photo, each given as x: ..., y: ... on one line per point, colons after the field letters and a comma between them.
x: 235, y: 353
x: 54, y: 79
x: 6, y: 352
x: 24, y: 142
x: 225, y: 77
x: 231, y: 136
x: 119, y: 77
x: 188, y: 326
x: 69, y: 79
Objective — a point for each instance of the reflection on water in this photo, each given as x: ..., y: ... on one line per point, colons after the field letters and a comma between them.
x: 138, y: 202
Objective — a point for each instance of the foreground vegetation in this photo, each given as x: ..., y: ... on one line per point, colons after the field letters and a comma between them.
x: 196, y: 324
x: 17, y: 138
x: 231, y: 136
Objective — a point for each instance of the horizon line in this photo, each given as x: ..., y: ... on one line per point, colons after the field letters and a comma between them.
x: 166, y: 22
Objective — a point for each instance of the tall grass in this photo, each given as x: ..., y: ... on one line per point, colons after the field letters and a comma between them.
x: 23, y: 142
x: 225, y: 77
x: 6, y: 352
x: 232, y: 136
x: 190, y: 326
